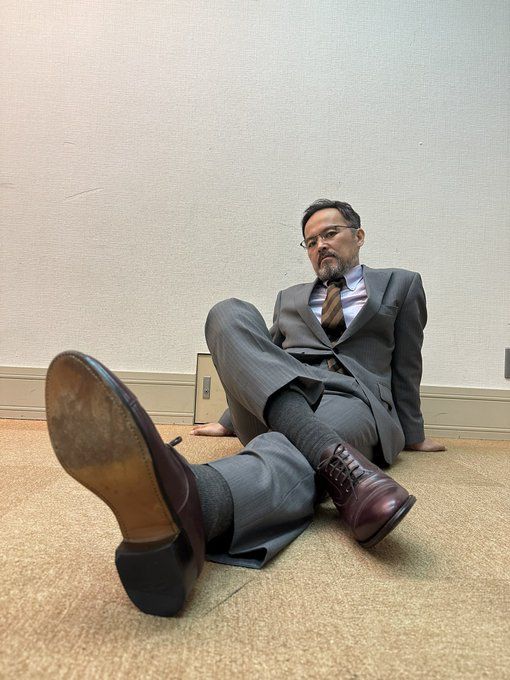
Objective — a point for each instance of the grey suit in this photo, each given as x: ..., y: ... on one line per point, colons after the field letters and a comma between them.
x: 376, y: 406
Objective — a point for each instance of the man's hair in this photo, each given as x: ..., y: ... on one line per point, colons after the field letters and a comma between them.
x: 351, y: 216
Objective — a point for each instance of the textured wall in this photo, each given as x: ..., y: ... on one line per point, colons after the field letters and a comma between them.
x: 158, y: 156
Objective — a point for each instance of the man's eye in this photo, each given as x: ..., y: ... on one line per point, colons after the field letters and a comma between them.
x: 330, y: 234
x: 312, y: 243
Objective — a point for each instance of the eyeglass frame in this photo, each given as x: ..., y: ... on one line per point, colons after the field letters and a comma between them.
x: 334, y: 228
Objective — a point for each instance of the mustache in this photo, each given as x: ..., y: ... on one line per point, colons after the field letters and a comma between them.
x: 327, y: 255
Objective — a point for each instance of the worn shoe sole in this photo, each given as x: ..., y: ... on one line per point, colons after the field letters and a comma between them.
x: 390, y: 524
x: 98, y: 441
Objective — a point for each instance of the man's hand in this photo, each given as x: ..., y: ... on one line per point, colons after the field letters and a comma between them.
x: 211, y: 430
x: 427, y: 445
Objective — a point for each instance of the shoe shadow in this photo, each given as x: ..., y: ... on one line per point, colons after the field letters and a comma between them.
x: 402, y: 557
x: 217, y: 585
x: 398, y: 554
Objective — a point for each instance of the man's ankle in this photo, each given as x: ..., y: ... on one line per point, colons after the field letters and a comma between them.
x: 216, y: 501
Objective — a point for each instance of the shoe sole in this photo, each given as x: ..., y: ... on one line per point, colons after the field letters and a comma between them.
x: 390, y: 524
x: 98, y: 441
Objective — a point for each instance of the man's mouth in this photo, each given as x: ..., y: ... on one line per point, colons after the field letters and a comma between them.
x: 326, y: 257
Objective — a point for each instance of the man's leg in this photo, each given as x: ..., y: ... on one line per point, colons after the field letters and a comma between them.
x: 351, y: 417
x: 251, y: 367
x: 255, y: 502
x: 267, y: 387
x: 273, y: 491
x: 265, y: 381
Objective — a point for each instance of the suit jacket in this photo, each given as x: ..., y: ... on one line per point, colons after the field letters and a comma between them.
x: 381, y: 348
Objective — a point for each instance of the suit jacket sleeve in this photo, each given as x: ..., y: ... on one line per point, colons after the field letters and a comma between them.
x: 277, y: 337
x: 406, y: 364
x: 226, y: 421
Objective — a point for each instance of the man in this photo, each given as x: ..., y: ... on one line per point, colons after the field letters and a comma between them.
x: 331, y: 388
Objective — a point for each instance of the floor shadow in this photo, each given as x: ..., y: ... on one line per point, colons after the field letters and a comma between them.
x: 403, y: 557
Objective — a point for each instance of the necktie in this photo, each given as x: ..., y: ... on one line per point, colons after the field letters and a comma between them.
x: 332, y: 318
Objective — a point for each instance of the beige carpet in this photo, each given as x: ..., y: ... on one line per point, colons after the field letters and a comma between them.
x: 431, y: 601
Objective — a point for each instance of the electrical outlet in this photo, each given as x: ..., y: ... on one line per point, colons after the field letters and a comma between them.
x: 210, y: 399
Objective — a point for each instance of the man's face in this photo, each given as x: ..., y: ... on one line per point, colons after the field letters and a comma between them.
x: 335, y: 256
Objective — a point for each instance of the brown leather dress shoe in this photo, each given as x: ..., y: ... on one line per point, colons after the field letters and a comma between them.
x: 370, y: 502
x: 104, y: 439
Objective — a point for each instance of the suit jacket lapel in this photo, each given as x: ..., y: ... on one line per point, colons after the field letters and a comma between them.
x: 302, y: 306
x: 376, y: 281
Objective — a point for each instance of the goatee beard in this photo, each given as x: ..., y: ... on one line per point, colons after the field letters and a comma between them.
x: 333, y: 270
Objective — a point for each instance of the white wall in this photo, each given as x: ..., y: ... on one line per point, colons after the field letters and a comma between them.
x: 158, y: 156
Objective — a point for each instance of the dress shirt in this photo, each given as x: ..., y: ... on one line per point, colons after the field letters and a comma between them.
x: 353, y: 295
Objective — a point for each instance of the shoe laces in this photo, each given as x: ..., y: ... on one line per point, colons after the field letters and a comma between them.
x: 342, y: 469
x: 174, y: 442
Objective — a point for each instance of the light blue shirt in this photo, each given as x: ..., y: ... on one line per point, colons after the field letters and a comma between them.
x: 353, y: 295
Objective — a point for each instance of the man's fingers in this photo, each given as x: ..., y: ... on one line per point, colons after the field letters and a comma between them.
x: 209, y: 430
x: 199, y: 430
x: 427, y: 445
x: 433, y: 445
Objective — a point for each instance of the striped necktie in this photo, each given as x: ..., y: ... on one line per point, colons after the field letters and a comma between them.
x: 332, y: 319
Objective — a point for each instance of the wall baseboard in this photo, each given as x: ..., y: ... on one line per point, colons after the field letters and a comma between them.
x: 466, y: 412
x: 450, y: 412
x: 167, y: 397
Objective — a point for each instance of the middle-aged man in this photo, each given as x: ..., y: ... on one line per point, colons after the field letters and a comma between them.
x: 331, y: 390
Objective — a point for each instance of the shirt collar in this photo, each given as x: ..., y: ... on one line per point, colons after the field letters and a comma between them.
x: 352, y: 278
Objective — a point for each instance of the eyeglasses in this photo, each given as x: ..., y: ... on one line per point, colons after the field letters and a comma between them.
x: 327, y: 235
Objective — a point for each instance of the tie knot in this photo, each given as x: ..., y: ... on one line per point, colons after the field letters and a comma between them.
x: 339, y: 283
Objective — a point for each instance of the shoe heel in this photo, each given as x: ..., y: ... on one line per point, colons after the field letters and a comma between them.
x: 157, y: 577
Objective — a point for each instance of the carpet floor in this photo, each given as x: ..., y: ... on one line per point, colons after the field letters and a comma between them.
x: 430, y: 601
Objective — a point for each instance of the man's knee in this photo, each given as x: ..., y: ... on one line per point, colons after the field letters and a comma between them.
x: 226, y: 313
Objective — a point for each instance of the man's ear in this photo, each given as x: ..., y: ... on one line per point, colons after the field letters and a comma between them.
x: 360, y: 236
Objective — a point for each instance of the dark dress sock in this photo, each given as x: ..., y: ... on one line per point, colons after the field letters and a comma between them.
x: 215, y: 499
x: 288, y: 412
